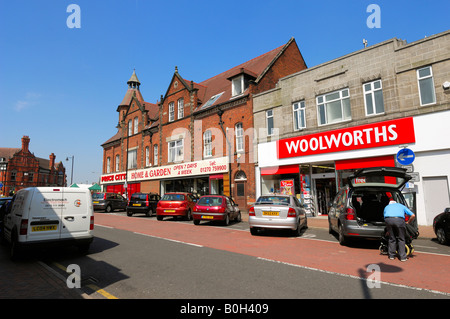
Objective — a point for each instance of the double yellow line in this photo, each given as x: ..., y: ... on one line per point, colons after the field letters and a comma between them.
x: 90, y: 286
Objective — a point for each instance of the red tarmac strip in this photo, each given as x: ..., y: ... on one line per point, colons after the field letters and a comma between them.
x: 426, y: 271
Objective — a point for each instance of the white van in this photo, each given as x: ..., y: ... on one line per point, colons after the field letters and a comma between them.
x: 44, y: 216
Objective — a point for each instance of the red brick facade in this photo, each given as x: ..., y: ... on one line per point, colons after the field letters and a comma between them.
x: 178, y: 123
x: 23, y: 169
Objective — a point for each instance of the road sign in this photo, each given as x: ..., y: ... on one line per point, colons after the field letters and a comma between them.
x: 405, y: 156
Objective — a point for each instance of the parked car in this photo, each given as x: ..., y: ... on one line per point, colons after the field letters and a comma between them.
x: 441, y: 226
x: 47, y: 216
x: 108, y: 201
x: 216, y: 207
x: 143, y: 203
x: 357, y: 209
x: 5, y: 208
x: 175, y: 204
x: 4, y: 200
x: 277, y: 212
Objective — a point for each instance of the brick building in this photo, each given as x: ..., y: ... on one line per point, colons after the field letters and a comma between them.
x: 358, y: 111
x: 19, y: 168
x: 201, y: 139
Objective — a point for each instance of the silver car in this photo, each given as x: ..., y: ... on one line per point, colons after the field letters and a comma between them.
x: 277, y: 212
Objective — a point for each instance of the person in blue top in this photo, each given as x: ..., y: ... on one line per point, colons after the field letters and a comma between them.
x: 394, y: 216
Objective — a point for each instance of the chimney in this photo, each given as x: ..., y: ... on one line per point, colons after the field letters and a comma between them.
x: 52, y: 160
x: 25, y: 143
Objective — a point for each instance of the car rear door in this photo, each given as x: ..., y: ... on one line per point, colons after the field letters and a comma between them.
x: 76, y: 213
x: 390, y: 177
x: 44, y: 218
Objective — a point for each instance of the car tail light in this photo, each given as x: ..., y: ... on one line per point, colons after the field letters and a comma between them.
x: 183, y: 204
x: 350, y: 214
x: 91, y: 226
x: 291, y: 212
x: 251, y: 211
x: 23, y: 227
x: 222, y: 209
x: 195, y: 208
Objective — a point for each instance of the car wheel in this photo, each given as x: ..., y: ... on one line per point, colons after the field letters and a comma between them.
x: 297, y: 232
x: 149, y: 213
x: 440, y: 234
x: 226, y: 221
x: 108, y: 209
x: 129, y: 213
x: 196, y: 222
x: 189, y: 215
x: 254, y: 231
x: 342, y: 238
x: 159, y: 217
x: 238, y: 218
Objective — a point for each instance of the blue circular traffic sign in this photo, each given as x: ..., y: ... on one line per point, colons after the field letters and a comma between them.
x: 405, y: 156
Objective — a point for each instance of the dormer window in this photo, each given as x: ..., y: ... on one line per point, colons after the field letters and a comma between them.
x: 239, y: 85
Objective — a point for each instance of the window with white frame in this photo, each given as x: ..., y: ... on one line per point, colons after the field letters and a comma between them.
x: 117, y: 163
x: 171, y: 111
x: 239, y: 133
x: 426, y: 86
x: 180, y: 108
x: 298, y: 109
x: 147, y: 156
x: 175, y: 151
x: 155, y: 154
x: 136, y: 125
x: 207, y: 144
x: 238, y: 85
x: 269, y: 122
x: 334, y: 107
x: 108, y: 165
x: 373, y: 98
x: 132, y: 158
x: 130, y: 127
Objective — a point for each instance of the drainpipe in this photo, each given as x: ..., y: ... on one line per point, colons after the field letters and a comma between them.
x: 220, y: 113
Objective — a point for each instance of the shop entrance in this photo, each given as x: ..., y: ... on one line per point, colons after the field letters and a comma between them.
x: 325, y: 189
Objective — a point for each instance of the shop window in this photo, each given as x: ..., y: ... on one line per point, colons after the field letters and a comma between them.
x: 175, y: 151
x: 373, y: 98
x: 171, y: 111
x: 180, y: 108
x: 426, y: 86
x: 334, y: 107
x: 207, y: 144
x: 239, y: 132
x: 299, y: 115
x: 269, y: 122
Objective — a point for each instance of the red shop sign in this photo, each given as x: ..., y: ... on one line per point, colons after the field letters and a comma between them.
x: 394, y: 132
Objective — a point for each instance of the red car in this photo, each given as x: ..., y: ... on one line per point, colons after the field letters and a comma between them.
x: 175, y: 204
x: 216, y: 207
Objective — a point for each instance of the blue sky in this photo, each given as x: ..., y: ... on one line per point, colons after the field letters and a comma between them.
x: 61, y: 86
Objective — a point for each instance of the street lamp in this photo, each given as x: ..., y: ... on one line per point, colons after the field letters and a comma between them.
x: 71, y: 174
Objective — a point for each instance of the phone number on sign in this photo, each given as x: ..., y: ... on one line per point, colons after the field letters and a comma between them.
x: 213, y: 168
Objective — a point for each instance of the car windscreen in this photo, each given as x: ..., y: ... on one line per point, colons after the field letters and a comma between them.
x: 98, y: 196
x: 139, y: 197
x: 210, y: 201
x: 173, y: 197
x: 272, y: 200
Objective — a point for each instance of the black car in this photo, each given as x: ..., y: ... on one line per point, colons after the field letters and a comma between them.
x: 441, y: 226
x: 143, y: 203
x: 357, y: 210
x: 108, y: 201
x: 5, y: 207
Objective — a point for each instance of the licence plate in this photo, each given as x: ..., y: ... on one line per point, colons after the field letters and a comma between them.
x: 95, y: 202
x: 169, y: 211
x: 271, y: 213
x: 136, y: 204
x: 207, y: 217
x: 44, y: 228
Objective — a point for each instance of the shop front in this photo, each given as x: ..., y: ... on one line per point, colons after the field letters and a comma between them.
x: 201, y: 177
x: 315, y: 166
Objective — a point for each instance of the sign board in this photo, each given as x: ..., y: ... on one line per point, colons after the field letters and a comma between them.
x: 405, y: 156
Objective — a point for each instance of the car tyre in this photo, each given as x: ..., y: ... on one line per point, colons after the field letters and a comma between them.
x: 254, y: 231
x: 298, y: 231
x: 159, y: 217
x: 149, y: 213
x: 440, y: 234
x: 129, y: 214
x: 226, y: 221
x: 342, y: 238
x: 108, y: 209
x: 238, y: 218
x: 189, y: 215
x: 196, y: 222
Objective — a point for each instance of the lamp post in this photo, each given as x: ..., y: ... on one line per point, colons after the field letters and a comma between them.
x: 71, y: 173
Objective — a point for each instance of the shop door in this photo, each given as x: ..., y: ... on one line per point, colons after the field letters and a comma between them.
x: 240, y: 197
x: 436, y: 195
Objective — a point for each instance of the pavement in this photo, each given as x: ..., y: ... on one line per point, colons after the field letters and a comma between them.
x: 32, y: 279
